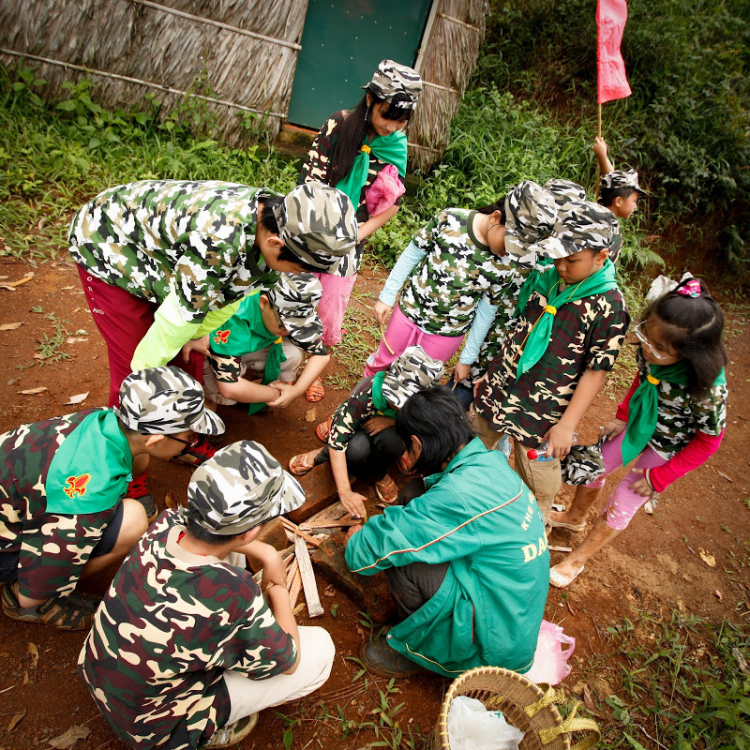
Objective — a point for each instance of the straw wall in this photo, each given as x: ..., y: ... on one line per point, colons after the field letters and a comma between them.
x: 143, y: 40
x: 447, y: 58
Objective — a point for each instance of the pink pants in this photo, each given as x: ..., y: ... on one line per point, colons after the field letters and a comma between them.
x: 336, y: 293
x: 123, y: 319
x: 623, y: 502
x: 400, y: 334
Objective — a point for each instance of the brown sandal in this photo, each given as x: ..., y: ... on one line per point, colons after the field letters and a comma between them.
x: 73, y: 612
x: 316, y: 392
x: 303, y: 462
x: 386, y: 490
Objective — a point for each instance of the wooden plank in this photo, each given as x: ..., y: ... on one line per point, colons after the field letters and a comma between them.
x: 294, y: 580
x: 309, y: 584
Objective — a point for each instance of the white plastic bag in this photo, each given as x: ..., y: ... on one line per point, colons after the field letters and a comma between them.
x: 663, y: 284
x: 550, y: 661
x: 472, y: 727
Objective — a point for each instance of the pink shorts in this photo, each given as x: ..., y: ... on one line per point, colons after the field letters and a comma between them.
x: 123, y: 319
x: 402, y: 333
x: 623, y: 502
x: 336, y: 293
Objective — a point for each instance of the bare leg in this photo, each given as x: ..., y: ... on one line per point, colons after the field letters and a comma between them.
x: 597, y: 538
x: 584, y: 498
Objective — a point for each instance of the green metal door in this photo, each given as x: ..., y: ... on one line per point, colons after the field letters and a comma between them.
x: 342, y: 43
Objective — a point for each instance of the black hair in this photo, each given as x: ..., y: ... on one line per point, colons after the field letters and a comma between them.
x: 203, y: 535
x: 693, y: 327
x: 438, y: 419
x: 287, y: 254
x: 498, y: 205
x: 607, y: 195
x: 353, y: 131
x: 267, y: 217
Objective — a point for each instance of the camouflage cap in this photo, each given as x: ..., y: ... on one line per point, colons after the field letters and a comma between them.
x: 530, y: 214
x: 413, y: 371
x: 296, y: 299
x: 241, y: 487
x: 165, y: 400
x: 318, y: 224
x: 583, y: 225
x: 392, y: 78
x: 620, y: 179
x: 565, y: 191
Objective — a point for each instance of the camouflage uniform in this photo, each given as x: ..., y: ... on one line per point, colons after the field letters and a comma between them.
x: 587, y: 334
x: 441, y: 296
x: 317, y: 167
x: 169, y: 627
x: 145, y: 235
x: 53, y: 548
x: 680, y: 414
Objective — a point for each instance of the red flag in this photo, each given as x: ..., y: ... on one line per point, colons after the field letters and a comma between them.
x: 611, y: 17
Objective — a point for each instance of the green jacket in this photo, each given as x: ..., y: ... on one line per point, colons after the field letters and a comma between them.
x: 480, y: 517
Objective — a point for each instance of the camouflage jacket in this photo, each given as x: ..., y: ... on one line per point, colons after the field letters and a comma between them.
x: 317, y: 166
x: 169, y: 626
x: 442, y: 293
x: 351, y: 415
x: 586, y: 334
x: 681, y: 415
x: 150, y: 236
x: 53, y: 548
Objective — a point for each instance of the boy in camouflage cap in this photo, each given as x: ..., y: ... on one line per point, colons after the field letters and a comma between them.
x: 161, y: 261
x: 65, y: 513
x: 571, y: 323
x: 361, y: 432
x: 268, y: 333
x: 186, y: 648
x: 619, y: 189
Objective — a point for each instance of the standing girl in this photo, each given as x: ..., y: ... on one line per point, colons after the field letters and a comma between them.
x: 363, y: 153
x: 672, y: 419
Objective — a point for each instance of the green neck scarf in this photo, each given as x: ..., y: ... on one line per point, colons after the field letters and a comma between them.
x: 643, y: 411
x: 91, y: 470
x: 390, y: 149
x: 378, y: 399
x: 548, y: 285
x: 245, y: 332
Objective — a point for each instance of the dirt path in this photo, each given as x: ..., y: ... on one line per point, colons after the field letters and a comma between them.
x: 654, y: 567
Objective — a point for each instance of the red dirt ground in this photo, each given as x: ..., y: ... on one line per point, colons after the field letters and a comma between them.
x: 655, y: 566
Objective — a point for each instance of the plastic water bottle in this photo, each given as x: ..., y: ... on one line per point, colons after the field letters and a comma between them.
x: 539, y: 454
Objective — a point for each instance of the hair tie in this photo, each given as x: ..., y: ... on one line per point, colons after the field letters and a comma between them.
x: 691, y: 288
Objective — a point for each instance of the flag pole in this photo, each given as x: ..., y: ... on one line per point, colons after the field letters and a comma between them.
x: 599, y: 133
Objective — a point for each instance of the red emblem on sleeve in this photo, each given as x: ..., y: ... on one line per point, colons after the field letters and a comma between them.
x: 222, y: 336
x: 76, y: 485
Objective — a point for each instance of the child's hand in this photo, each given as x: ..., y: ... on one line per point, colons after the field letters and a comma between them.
x: 613, y: 428
x: 354, y: 503
x: 286, y: 394
x: 374, y: 425
x: 461, y: 372
x: 600, y: 147
x: 195, y: 345
x: 560, y: 439
x: 382, y: 312
x: 641, y: 486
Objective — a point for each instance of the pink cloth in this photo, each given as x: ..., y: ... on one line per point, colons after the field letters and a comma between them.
x: 402, y: 333
x: 384, y: 191
x: 623, y: 502
x: 336, y: 293
x: 611, y: 17
x: 123, y: 319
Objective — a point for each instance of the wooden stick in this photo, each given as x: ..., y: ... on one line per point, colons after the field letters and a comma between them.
x: 295, y: 583
x: 314, y: 608
x: 307, y: 526
x: 385, y: 341
x: 599, y: 133
x: 289, y: 526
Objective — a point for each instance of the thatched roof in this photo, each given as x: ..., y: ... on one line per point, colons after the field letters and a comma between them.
x: 244, y: 53
x: 449, y: 52
x: 165, y: 45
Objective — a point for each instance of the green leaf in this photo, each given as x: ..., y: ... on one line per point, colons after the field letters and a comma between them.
x: 67, y: 105
x: 633, y: 742
x: 288, y: 738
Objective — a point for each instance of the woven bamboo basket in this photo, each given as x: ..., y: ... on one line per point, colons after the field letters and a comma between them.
x: 527, y: 706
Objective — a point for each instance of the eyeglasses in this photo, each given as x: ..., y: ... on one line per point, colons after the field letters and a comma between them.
x: 187, y: 443
x: 276, y: 316
x: 642, y: 337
